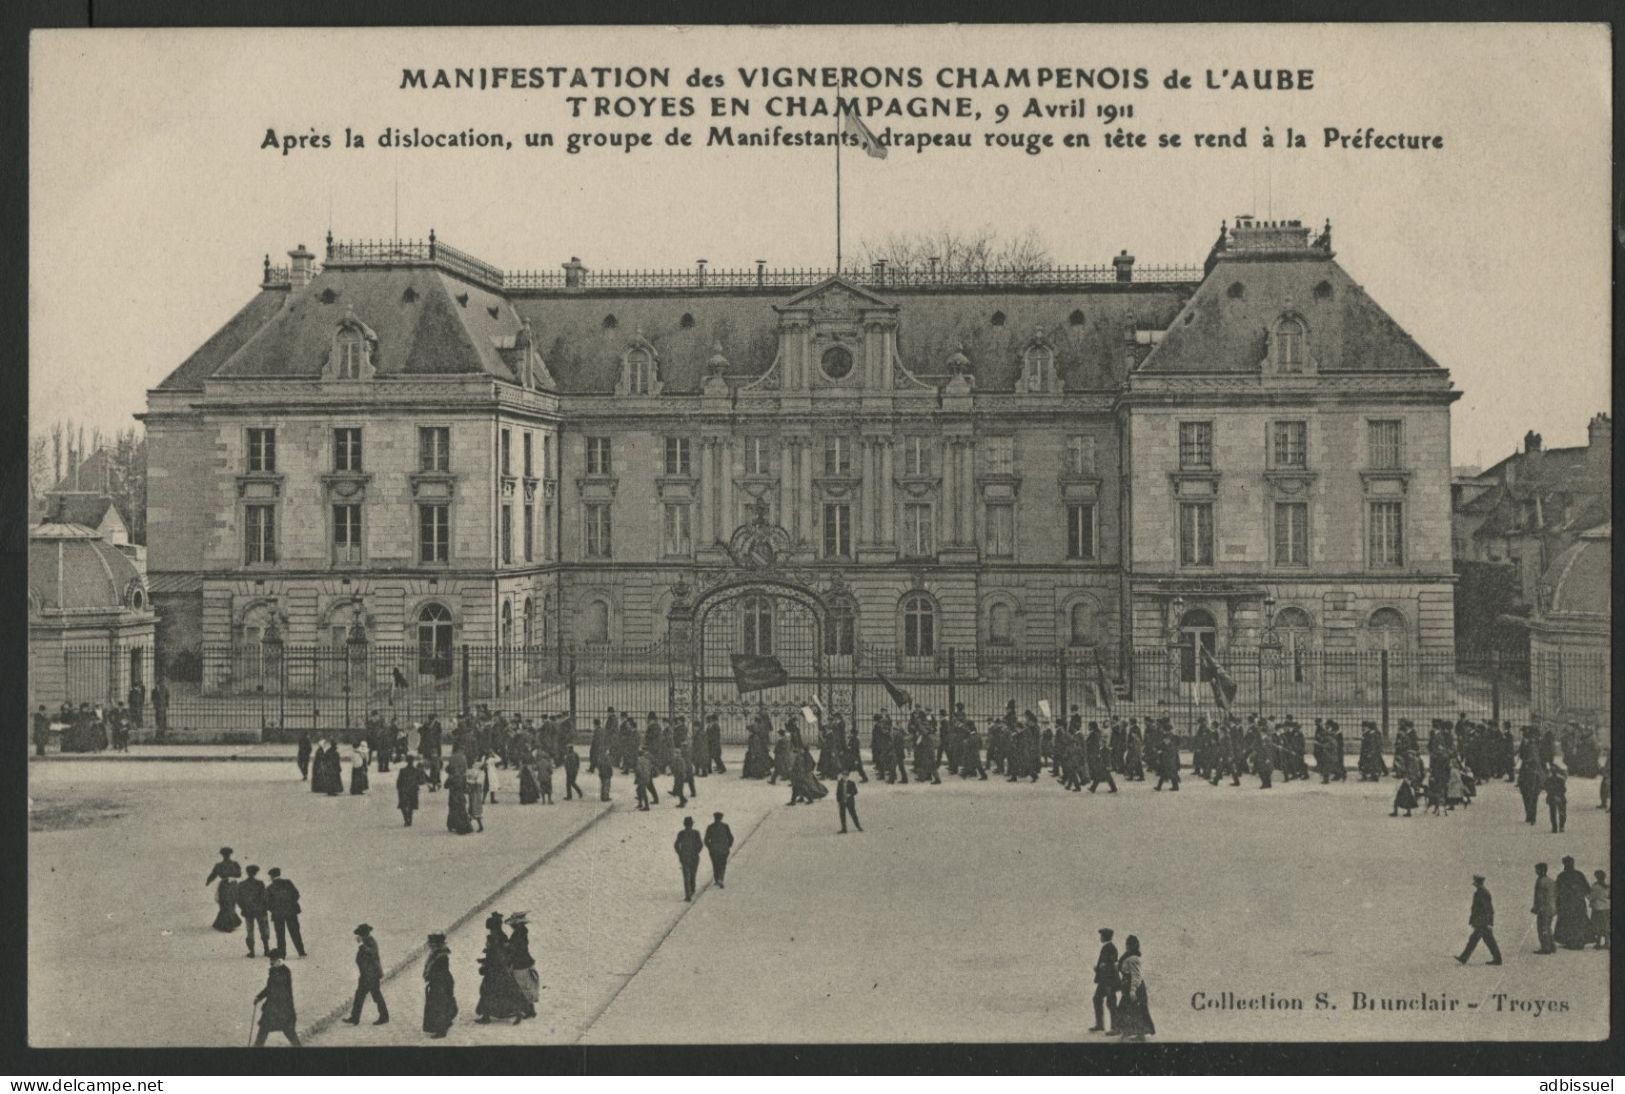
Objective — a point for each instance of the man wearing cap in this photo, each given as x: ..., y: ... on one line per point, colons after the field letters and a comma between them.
x: 1105, y: 983
x: 282, y: 896
x: 1545, y: 908
x: 1482, y: 920
x: 370, y: 967
x: 407, y: 782
x: 251, y: 902
x: 719, y: 840
x: 688, y: 855
x: 278, y: 1015
x: 846, y: 797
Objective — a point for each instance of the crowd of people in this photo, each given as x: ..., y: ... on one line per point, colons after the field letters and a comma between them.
x: 1570, y: 912
x: 97, y: 727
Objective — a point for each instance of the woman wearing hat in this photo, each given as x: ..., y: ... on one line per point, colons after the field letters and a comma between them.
x: 457, y: 807
x: 439, y: 989
x: 358, y: 768
x: 521, y: 963
x: 500, y: 996
x: 1134, y: 1011
x: 225, y: 894
x: 475, y: 796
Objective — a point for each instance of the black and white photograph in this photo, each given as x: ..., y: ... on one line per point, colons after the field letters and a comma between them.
x: 746, y: 535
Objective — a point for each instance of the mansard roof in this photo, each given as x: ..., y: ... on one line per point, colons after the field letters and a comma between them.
x: 1225, y: 325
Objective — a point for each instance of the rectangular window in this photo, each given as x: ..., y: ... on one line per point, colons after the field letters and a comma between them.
x: 346, y: 533
x: 350, y: 355
x: 434, y: 448
x: 837, y: 530
x: 758, y: 459
x: 434, y: 533
x: 597, y: 525
x: 507, y: 534
x: 507, y: 452
x: 1291, y: 533
x: 262, y: 450
x: 837, y: 456
x: 916, y: 456
x: 677, y: 538
x: 1080, y: 530
x: 917, y: 530
x: 259, y: 533
x: 1196, y: 533
x: 1001, y: 530
x: 1290, y: 444
x: 1385, y: 445
x: 547, y: 531
x: 530, y: 467
x: 1001, y: 455
x: 1387, y: 533
x: 598, y: 462
x: 530, y: 532
x: 346, y: 450
x: 1080, y: 452
x: 677, y: 462
x: 547, y: 455
x: 1196, y: 446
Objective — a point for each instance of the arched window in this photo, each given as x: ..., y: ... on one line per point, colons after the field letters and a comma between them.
x: 530, y: 623
x: 1289, y: 346
x: 597, y: 621
x: 756, y: 625
x: 840, y: 631
x: 434, y: 641
x: 1078, y: 620
x: 352, y: 352
x: 639, y: 372
x: 1387, y: 630
x: 919, y: 626
x: 1295, y: 630
x: 1001, y: 621
x: 1198, y: 633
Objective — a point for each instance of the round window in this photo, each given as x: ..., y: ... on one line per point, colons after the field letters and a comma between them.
x: 837, y: 363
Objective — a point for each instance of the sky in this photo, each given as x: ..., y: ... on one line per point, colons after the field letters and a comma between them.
x: 153, y: 203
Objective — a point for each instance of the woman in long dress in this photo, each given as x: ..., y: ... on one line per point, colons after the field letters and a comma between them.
x: 529, y: 794
x: 522, y: 964
x: 500, y: 997
x: 758, y: 751
x: 475, y: 796
x: 457, y: 821
x: 439, y: 988
x: 1134, y: 1012
x: 358, y: 770
x: 225, y: 894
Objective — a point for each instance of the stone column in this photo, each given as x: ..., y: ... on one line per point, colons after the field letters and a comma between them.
x: 949, y: 524
x: 888, y: 504
x: 808, y: 517
x: 702, y: 475
x: 729, y: 518
x: 967, y: 492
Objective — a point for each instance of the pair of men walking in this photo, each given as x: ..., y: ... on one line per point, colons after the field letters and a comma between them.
x: 718, y: 840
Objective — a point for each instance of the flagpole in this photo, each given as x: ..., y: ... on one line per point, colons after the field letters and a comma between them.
x: 837, y: 187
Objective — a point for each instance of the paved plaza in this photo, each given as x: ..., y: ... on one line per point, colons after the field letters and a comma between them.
x: 963, y: 912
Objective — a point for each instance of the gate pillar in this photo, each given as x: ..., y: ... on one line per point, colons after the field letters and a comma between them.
x: 680, y: 655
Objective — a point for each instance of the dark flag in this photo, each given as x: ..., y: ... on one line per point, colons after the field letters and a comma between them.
x: 898, y: 695
x: 1224, y: 686
x: 400, y: 678
x: 1104, y: 685
x: 754, y: 672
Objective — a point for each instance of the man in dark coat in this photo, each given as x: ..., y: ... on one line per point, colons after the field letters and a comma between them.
x: 278, y: 1014
x: 429, y: 744
x: 42, y: 730
x: 1482, y: 920
x: 1105, y: 982
x: 160, y: 707
x: 1529, y: 787
x: 302, y: 757
x: 138, y: 703
x: 846, y: 797
x: 1557, y: 797
x: 282, y: 898
x: 688, y: 846
x: 407, y: 781
x: 370, y: 977
x: 1544, y: 909
x: 572, y: 766
x: 1099, y: 766
x: 439, y: 989
x: 719, y: 841
x: 252, y: 904
x: 713, y: 742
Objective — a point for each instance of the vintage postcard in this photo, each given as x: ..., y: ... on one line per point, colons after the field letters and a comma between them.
x: 607, y: 536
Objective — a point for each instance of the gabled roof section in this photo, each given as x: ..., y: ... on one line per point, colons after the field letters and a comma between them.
x: 224, y: 342
x: 864, y: 296
x: 1225, y: 325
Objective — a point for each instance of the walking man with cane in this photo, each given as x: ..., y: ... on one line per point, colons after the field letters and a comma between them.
x: 278, y: 1015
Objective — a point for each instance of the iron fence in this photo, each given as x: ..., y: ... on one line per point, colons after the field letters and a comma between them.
x: 273, y: 691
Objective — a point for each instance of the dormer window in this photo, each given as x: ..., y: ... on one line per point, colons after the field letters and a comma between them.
x: 1289, y: 347
x: 640, y: 374
x: 352, y: 352
x: 1037, y: 363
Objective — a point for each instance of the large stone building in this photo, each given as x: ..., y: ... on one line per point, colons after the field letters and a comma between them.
x: 1086, y: 458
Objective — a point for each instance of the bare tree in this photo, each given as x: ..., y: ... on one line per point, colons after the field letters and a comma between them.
x: 953, y: 252
x: 39, y: 466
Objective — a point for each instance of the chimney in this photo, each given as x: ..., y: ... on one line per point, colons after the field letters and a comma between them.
x: 575, y: 274
x: 1600, y: 450
x: 303, y: 266
x: 1531, y: 441
x: 1124, y: 265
